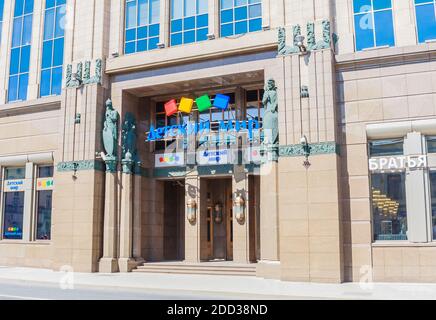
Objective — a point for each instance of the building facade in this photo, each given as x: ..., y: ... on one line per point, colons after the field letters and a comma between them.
x: 295, y: 137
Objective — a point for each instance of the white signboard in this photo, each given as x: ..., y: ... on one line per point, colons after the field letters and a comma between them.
x: 214, y: 157
x: 253, y: 155
x: 14, y: 185
x: 398, y: 162
x: 169, y: 160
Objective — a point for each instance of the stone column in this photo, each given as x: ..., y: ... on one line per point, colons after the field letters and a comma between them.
x: 192, y: 228
x: 137, y: 218
x: 28, y: 202
x: 241, y: 221
x: 126, y: 261
x: 269, y: 265
x: 108, y: 263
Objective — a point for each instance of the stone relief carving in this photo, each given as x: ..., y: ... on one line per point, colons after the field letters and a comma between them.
x: 283, y: 49
x: 84, y: 78
x: 271, y: 119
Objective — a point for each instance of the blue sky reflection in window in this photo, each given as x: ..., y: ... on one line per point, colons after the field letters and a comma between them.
x: 240, y: 16
x: 425, y: 20
x: 189, y: 21
x: 373, y: 24
x: 53, y: 48
x: 142, y: 25
x: 20, y: 50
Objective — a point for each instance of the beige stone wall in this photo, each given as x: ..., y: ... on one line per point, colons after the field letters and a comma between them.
x: 388, y: 88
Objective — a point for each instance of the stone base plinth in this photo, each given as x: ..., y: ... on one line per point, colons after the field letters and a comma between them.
x: 108, y: 265
x: 127, y: 264
x: 268, y: 269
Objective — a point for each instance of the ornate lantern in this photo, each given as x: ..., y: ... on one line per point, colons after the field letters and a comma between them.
x: 191, y: 210
x: 218, y: 217
x: 239, y: 209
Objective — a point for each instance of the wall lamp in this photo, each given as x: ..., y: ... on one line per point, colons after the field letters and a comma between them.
x: 218, y: 213
x: 191, y: 210
x: 239, y: 209
x: 306, y: 150
x: 300, y: 43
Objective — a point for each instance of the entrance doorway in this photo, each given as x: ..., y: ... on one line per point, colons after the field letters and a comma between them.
x: 218, y: 219
x: 173, y: 220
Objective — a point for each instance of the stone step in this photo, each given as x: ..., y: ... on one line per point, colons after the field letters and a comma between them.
x: 237, y: 270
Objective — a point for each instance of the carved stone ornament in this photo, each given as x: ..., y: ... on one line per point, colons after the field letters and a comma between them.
x: 271, y: 119
x: 110, y: 134
x: 84, y: 76
x: 283, y: 49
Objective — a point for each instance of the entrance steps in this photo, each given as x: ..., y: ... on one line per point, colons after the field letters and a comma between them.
x: 207, y: 268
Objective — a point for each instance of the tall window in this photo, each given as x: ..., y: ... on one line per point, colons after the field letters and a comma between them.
x: 425, y: 19
x: 44, y: 187
x: 13, y: 203
x: 142, y: 25
x: 20, y: 51
x: 2, y: 5
x: 53, y: 48
x: 189, y: 21
x: 240, y: 16
x: 373, y: 23
x: 388, y: 192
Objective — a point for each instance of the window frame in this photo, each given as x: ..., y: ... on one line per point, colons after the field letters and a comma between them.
x: 21, y: 46
x: 415, y: 5
x: 34, y: 232
x: 233, y: 22
x: 196, y: 29
x: 52, y: 39
x: 137, y: 26
x: 372, y: 11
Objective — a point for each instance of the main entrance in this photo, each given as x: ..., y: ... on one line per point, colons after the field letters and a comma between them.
x: 219, y: 218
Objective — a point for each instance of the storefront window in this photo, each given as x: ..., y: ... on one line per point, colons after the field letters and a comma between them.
x: 431, y: 144
x: 13, y: 206
x: 433, y: 202
x: 388, y: 199
x: 44, y: 188
x: 2, y: 4
x: 388, y: 147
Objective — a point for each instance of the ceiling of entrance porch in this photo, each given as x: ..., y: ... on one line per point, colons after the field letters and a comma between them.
x: 199, y: 86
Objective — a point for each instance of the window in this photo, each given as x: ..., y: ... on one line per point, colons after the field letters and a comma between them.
x: 142, y: 25
x: 189, y: 21
x: 433, y: 202
x: 425, y: 20
x: 20, y: 51
x: 388, y: 199
x: 53, y: 48
x: 388, y: 147
x: 240, y: 16
x: 2, y: 5
x: 44, y: 187
x: 13, y: 204
x: 373, y: 23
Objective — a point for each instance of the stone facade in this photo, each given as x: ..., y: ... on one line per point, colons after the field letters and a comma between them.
x: 305, y: 221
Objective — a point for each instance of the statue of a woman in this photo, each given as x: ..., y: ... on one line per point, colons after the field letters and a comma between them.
x: 110, y: 131
x: 129, y: 136
x: 271, y: 117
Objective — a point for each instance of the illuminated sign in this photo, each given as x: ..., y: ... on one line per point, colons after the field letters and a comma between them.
x: 45, y: 184
x: 399, y: 162
x: 14, y: 185
x: 184, y: 130
x: 13, y: 232
x: 169, y: 160
x: 214, y: 157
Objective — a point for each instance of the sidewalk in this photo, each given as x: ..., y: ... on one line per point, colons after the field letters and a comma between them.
x: 223, y: 284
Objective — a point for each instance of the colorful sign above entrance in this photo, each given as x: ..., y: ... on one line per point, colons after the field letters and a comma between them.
x: 193, y: 128
x: 203, y: 103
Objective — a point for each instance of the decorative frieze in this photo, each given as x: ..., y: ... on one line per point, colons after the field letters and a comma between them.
x: 83, y: 165
x: 298, y: 150
x: 83, y: 77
